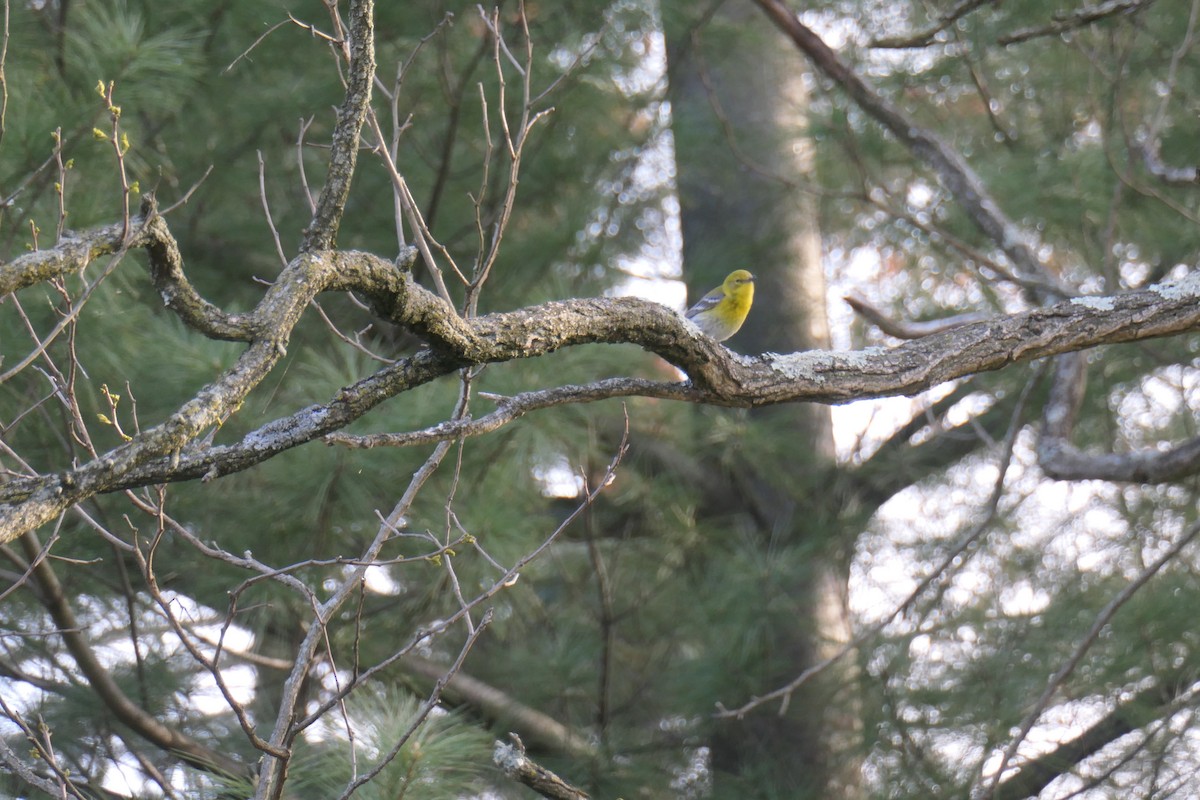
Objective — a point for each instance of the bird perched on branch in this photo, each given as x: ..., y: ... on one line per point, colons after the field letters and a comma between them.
x: 723, y: 310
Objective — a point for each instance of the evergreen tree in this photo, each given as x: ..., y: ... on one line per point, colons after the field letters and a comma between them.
x: 202, y: 600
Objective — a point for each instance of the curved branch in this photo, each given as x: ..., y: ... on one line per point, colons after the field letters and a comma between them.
x: 1168, y: 174
x: 718, y: 376
x: 110, y: 693
x: 908, y: 329
x: 1063, y: 461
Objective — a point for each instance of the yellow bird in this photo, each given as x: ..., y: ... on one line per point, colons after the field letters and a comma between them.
x: 723, y: 310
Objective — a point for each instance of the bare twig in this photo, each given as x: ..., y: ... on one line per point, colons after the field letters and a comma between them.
x: 3, y: 78
x: 423, y: 712
x: 926, y: 36
x: 1149, y: 141
x: 514, y: 142
x: 182, y: 201
x: 262, y: 195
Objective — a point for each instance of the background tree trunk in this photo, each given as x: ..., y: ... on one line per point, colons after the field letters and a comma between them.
x: 745, y: 168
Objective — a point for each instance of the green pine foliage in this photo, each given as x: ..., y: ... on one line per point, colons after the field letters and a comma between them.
x: 676, y: 590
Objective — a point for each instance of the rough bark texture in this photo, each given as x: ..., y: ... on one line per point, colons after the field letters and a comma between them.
x: 169, y: 452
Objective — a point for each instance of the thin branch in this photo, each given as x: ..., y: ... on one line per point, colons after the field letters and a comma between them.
x: 508, y: 579
x: 287, y: 727
x: 425, y: 710
x: 909, y: 329
x: 1036, y: 774
x: 939, y: 574
x: 1073, y: 20
x: 266, y: 204
x: 106, y: 688
x: 3, y: 78
x: 1059, y: 678
x: 952, y: 169
x: 182, y: 201
x: 509, y: 410
x: 1150, y: 143
x: 40, y: 749
x: 927, y: 35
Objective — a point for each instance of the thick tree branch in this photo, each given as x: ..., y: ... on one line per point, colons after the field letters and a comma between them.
x: 717, y: 376
x: 360, y: 52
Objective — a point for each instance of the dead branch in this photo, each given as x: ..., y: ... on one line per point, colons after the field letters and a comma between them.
x: 512, y: 759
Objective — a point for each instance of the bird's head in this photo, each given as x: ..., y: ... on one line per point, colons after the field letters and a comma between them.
x: 738, y: 279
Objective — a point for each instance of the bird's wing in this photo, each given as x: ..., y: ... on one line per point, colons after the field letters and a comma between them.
x: 705, y: 303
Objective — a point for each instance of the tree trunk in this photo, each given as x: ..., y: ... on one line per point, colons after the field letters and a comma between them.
x: 739, y: 107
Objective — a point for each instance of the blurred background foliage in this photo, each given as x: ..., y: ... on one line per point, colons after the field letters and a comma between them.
x: 696, y: 578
